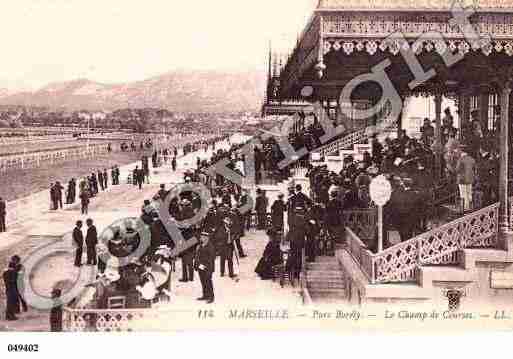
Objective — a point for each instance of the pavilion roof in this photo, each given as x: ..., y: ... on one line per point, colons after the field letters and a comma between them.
x: 340, y: 31
x: 412, y: 5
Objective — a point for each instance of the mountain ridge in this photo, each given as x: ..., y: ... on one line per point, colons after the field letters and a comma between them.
x: 188, y: 91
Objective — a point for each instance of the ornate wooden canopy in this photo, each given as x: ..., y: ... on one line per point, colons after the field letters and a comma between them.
x: 346, y: 38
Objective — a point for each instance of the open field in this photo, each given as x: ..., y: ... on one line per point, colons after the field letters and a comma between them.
x: 20, y: 183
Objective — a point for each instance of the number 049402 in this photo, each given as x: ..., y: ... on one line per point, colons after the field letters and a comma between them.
x: 27, y: 348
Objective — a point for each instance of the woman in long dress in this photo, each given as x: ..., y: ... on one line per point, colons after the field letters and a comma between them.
x: 271, y: 257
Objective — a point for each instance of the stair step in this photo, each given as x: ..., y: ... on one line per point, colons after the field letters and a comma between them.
x: 323, y: 266
x: 325, y: 286
x: 326, y: 259
x: 326, y: 281
x: 328, y: 291
x: 326, y: 272
x: 328, y: 298
x: 324, y: 278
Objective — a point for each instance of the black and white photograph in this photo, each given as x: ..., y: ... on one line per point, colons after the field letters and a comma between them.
x: 340, y: 165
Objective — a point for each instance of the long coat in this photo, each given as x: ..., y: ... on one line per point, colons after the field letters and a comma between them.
x: 91, y: 236
x: 277, y: 210
x: 205, y: 255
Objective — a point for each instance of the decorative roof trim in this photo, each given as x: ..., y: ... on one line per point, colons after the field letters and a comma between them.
x: 412, y: 5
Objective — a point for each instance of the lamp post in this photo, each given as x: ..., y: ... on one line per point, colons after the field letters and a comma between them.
x: 380, y: 192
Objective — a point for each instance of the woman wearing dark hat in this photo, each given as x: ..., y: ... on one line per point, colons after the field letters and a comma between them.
x: 271, y: 256
x: 277, y: 211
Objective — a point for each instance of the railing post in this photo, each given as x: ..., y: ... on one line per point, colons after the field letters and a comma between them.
x: 504, y: 220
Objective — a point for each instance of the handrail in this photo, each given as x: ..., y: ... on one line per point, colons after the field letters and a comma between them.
x: 438, y: 246
x: 360, y: 252
x: 400, y: 262
x: 359, y: 135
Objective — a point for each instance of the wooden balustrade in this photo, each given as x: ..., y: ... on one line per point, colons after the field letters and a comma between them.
x: 112, y: 320
x: 399, y: 263
x: 360, y: 252
x: 362, y: 222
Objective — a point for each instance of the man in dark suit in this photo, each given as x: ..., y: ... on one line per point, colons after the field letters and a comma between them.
x: 100, y: 180
x: 299, y: 205
x: 205, y: 265
x: 113, y: 175
x: 91, y: 242
x: 139, y: 177
x: 105, y: 178
x: 3, y: 214
x: 10, y: 277
x: 185, y: 212
x: 58, y: 194
x: 78, y: 240
x: 224, y: 241
x: 334, y: 217
x: 261, y: 209
x: 237, y: 230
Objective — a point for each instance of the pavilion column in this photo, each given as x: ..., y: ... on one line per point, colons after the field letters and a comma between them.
x: 438, y: 135
x: 484, y: 103
x: 464, y: 109
x: 504, y: 210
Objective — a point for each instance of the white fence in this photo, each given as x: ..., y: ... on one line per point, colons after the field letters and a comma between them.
x: 37, y: 159
x: 33, y: 139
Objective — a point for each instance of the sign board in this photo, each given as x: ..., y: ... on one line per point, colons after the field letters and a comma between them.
x: 316, y: 156
x: 501, y: 280
x: 360, y: 149
x: 380, y: 190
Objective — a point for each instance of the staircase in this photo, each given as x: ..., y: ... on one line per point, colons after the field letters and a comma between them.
x: 325, y: 282
x: 356, y: 136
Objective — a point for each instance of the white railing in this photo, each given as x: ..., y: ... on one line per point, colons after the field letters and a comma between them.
x: 360, y: 252
x: 343, y: 143
x: 37, y: 159
x: 110, y: 320
x: 439, y: 246
x: 33, y: 139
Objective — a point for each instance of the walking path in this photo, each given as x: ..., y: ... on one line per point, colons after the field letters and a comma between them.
x: 125, y: 201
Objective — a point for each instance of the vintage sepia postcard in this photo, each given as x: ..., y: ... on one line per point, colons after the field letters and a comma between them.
x: 322, y: 165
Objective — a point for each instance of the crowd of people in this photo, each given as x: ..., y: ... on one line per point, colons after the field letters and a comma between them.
x: 301, y: 226
x: 88, y: 188
x: 143, y: 145
x: 222, y: 227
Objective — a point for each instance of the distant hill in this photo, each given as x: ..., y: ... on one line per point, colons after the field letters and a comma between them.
x: 180, y: 91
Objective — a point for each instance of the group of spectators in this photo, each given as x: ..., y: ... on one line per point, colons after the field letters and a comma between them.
x: 88, y: 187
x: 468, y: 174
x: 143, y: 145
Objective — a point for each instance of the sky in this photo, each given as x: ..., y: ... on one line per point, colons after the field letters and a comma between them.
x: 116, y: 41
